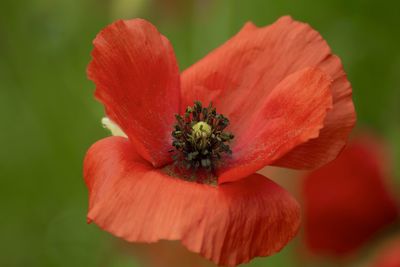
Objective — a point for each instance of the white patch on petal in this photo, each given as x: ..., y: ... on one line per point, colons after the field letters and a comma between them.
x: 113, y: 127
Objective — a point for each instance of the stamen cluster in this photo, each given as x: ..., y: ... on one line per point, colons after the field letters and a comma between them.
x: 199, y: 138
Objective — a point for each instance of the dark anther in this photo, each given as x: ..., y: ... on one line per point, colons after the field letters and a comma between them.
x: 199, y: 138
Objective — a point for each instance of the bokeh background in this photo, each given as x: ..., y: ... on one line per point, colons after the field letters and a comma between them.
x: 49, y: 116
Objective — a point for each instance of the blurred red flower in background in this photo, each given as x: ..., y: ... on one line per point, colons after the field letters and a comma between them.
x: 348, y: 201
x: 289, y: 104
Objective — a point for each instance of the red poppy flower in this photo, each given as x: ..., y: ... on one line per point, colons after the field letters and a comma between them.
x: 348, y: 200
x: 288, y: 103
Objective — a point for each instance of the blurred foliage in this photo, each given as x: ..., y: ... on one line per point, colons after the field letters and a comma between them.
x: 49, y: 116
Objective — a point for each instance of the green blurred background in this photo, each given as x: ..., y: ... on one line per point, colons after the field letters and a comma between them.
x: 49, y: 116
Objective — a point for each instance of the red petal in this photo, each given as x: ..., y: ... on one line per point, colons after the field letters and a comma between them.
x: 228, y: 224
x: 137, y: 79
x: 347, y: 201
x: 293, y: 113
x: 239, y: 75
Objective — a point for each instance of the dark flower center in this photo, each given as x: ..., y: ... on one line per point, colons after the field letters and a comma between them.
x: 199, y: 138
